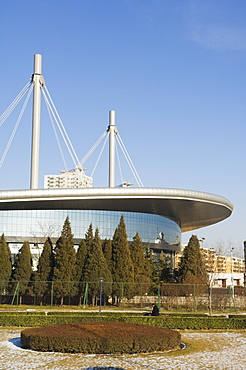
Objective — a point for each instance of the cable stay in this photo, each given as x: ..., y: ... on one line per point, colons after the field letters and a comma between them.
x: 124, y: 151
x: 16, y: 126
x: 14, y: 103
x: 93, y: 148
x: 129, y: 161
x: 94, y: 169
x: 56, y: 135
x: 53, y: 114
x: 60, y: 126
x: 118, y: 160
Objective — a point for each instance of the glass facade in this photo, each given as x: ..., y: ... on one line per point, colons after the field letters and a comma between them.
x: 42, y: 223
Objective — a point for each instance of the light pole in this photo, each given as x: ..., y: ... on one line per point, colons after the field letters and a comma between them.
x: 232, y: 279
x: 202, y: 240
x: 101, y: 279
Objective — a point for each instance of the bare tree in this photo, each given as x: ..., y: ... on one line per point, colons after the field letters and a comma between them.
x: 210, y: 257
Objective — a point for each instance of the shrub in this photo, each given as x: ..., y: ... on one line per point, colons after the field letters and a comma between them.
x: 100, y: 337
x: 172, y: 321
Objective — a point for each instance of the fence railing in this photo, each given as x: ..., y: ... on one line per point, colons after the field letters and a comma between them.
x: 191, y: 297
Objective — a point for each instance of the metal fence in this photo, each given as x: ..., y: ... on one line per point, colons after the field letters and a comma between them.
x: 188, y: 297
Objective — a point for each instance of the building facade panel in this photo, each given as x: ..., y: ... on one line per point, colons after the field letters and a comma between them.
x: 43, y: 223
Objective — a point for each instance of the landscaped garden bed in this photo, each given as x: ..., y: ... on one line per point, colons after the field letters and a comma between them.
x: 100, y: 337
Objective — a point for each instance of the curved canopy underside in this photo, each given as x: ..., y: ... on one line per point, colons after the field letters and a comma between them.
x: 190, y: 209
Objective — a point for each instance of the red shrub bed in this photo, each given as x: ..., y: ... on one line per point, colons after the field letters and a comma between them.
x: 100, y: 337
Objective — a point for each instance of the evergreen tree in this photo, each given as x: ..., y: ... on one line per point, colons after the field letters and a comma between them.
x: 22, y: 272
x: 169, y: 275
x: 96, y: 266
x: 158, y: 267
x: 162, y: 270
x: 148, y: 254
x: 142, y: 267
x: 107, y: 251
x: 89, y: 239
x: 122, y: 266
x: 65, y: 258
x: 192, y: 268
x: 44, y: 273
x: 5, y: 264
x: 81, y: 257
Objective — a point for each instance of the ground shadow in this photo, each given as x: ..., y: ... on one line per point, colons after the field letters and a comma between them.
x: 16, y: 342
x: 104, y: 368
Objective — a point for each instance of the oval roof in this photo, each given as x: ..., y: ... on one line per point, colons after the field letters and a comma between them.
x: 190, y: 209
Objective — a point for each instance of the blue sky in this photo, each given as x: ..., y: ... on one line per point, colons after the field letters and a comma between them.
x: 174, y: 72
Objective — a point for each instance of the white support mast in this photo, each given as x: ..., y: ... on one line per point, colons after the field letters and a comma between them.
x: 112, y: 129
x: 38, y: 82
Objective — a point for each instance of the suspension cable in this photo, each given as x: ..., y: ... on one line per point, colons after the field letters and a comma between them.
x: 14, y: 103
x: 62, y: 128
x: 88, y: 154
x: 61, y: 132
x: 106, y: 139
x: 16, y: 126
x: 56, y: 135
x: 118, y: 160
x: 129, y: 161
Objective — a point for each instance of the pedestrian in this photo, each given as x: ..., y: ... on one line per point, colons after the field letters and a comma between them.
x: 155, y: 310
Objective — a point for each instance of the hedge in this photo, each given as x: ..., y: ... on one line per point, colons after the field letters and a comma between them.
x: 192, y: 323
x: 100, y: 337
x: 171, y: 322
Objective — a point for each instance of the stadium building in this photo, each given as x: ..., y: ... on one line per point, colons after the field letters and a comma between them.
x: 159, y: 215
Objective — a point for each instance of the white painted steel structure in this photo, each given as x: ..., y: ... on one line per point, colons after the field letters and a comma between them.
x: 38, y: 82
x: 112, y: 132
x: 189, y: 209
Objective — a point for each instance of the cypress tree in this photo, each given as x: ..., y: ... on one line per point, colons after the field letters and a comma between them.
x: 5, y: 264
x: 89, y: 238
x: 122, y: 266
x: 142, y: 268
x: 22, y: 271
x: 159, y: 267
x: 107, y: 251
x: 81, y: 257
x: 65, y: 258
x: 44, y: 273
x: 192, y: 268
x: 96, y: 265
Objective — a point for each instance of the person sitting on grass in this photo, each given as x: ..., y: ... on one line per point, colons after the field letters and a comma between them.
x: 155, y: 310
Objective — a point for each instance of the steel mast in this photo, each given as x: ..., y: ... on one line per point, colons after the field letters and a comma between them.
x: 38, y: 82
x: 112, y: 129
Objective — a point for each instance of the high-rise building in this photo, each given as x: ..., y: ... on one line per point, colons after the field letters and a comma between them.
x: 74, y: 178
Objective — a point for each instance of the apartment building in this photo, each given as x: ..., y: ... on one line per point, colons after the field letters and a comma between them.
x: 74, y: 178
x: 223, y: 270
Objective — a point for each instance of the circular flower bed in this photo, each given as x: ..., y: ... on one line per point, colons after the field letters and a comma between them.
x: 100, y: 337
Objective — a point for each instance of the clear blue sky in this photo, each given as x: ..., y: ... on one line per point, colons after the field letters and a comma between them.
x: 174, y: 71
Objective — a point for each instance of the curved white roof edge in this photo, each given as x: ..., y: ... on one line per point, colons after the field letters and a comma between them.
x: 190, y: 209
x: 6, y: 195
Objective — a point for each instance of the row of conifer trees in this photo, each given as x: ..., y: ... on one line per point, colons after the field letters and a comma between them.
x: 116, y: 260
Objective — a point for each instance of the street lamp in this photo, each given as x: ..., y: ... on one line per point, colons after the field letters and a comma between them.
x: 232, y: 278
x: 101, y: 279
x: 202, y: 240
